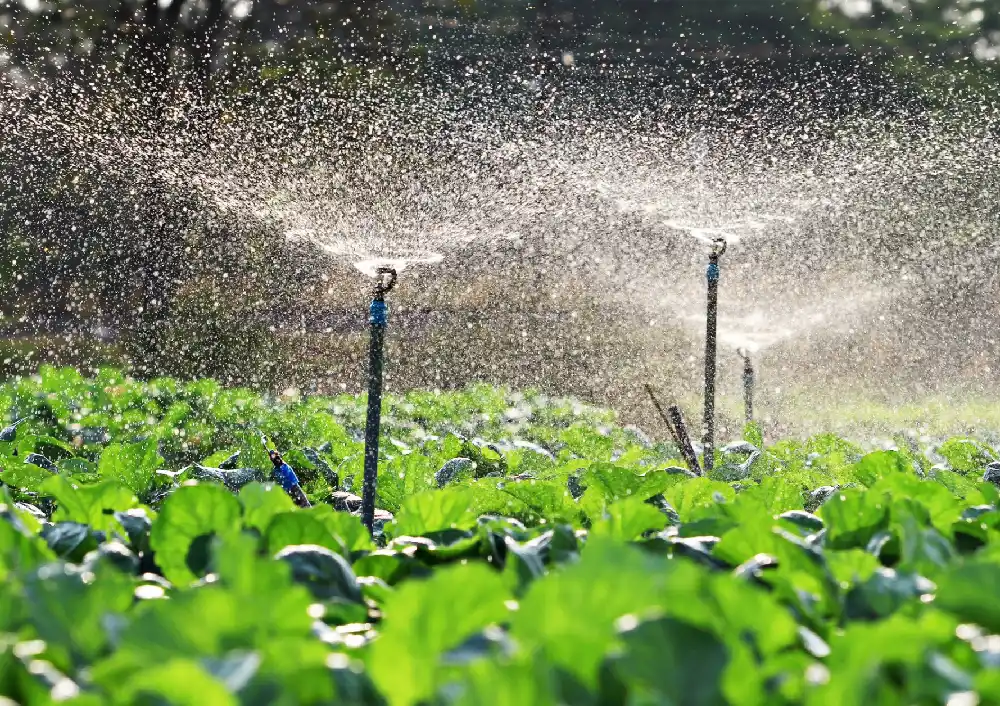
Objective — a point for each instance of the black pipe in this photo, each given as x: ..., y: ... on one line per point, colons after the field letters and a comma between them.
x: 680, y: 436
x: 378, y: 319
x: 712, y: 318
x: 749, y: 380
x: 684, y: 440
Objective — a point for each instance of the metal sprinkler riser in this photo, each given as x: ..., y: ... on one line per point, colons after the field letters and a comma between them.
x: 378, y: 320
x: 711, y: 332
x: 749, y: 381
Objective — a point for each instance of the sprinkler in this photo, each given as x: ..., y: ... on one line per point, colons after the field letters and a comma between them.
x: 285, y: 475
x: 712, y: 318
x: 378, y: 319
x: 749, y: 380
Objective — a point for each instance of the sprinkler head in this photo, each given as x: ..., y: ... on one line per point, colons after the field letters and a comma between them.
x: 718, y: 249
x: 384, y: 282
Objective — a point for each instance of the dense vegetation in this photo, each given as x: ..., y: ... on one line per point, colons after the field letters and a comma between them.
x: 530, y: 551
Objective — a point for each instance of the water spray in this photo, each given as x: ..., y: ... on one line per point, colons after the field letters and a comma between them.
x: 749, y: 380
x: 378, y: 319
x: 712, y: 318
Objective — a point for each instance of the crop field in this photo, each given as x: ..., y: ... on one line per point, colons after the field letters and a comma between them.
x: 528, y: 551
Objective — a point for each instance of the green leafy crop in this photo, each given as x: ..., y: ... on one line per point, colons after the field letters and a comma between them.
x: 528, y: 551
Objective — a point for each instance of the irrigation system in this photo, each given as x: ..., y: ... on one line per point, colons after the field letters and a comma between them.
x: 711, y: 342
x: 378, y: 319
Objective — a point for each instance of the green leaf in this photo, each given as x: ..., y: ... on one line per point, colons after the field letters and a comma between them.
x: 990, y: 493
x: 754, y: 433
x: 535, y: 502
x: 868, y: 658
x: 628, y: 519
x: 801, y: 566
x: 922, y: 548
x: 92, y: 505
x: 852, y: 517
x: 19, y: 551
x: 673, y: 662
x: 25, y: 476
x: 219, y: 457
x: 346, y: 528
x: 931, y: 501
x: 966, y: 456
x: 293, y: 528
x: 613, y: 482
x: 70, y: 540
x: 259, y: 584
x: 69, y: 607
x: 188, y: 513
x: 132, y: 465
x: 569, y: 616
x: 388, y: 565
x: 214, y: 619
x: 324, y: 572
x: 695, y: 496
x: 851, y: 566
x: 261, y: 502
x: 432, y: 511
x: 962, y: 592
x: 525, y: 680
x: 179, y: 682
x: 772, y: 496
x: 424, y: 619
x: 878, y: 465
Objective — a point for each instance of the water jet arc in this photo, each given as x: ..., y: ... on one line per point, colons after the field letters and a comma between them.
x: 711, y: 341
x: 378, y: 319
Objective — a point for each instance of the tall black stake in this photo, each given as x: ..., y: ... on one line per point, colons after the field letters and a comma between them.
x: 684, y: 440
x: 378, y: 319
x: 748, y: 384
x: 675, y: 425
x: 718, y: 248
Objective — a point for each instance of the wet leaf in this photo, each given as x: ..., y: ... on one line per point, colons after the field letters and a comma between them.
x: 92, y: 505
x: 132, y: 465
x: 326, y: 574
x: 188, y: 513
x: 673, y: 662
x: 424, y: 620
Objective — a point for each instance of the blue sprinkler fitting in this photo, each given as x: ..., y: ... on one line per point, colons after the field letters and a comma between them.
x: 285, y: 476
x: 378, y: 313
x: 288, y: 481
